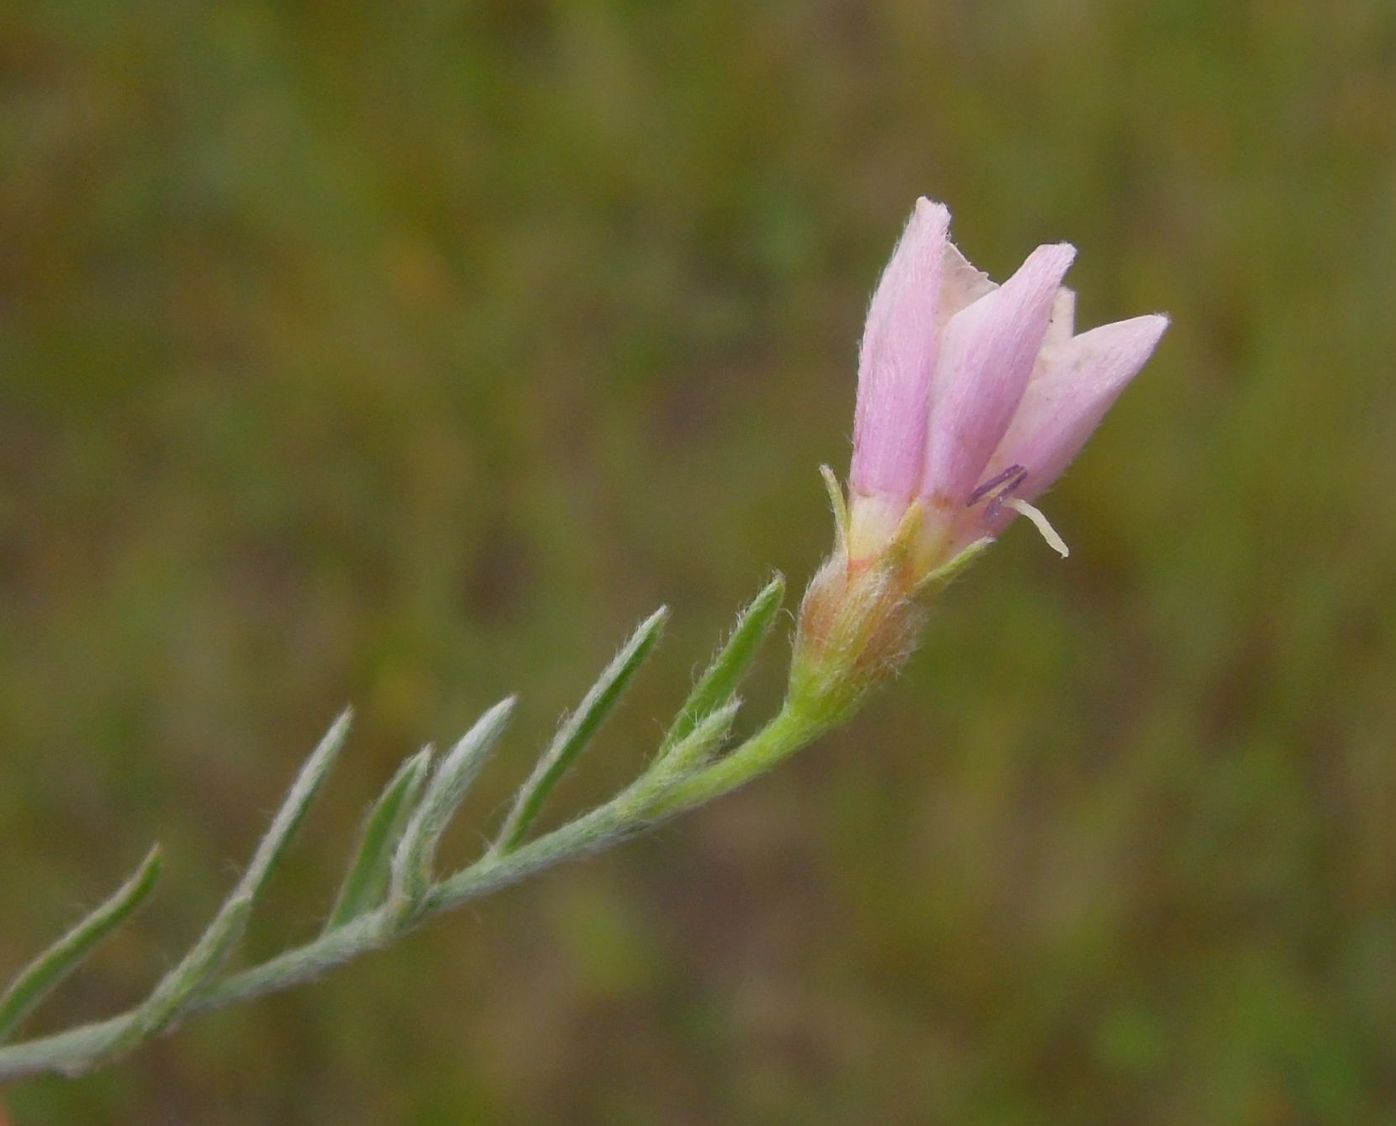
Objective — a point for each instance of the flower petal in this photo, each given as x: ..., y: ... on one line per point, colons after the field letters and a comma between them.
x: 986, y: 358
x: 896, y: 358
x: 1059, y: 325
x: 961, y: 284
x: 1066, y: 402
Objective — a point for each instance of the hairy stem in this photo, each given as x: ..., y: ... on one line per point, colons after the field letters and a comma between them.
x: 628, y: 814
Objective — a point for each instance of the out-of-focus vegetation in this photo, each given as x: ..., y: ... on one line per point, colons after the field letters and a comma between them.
x: 410, y: 353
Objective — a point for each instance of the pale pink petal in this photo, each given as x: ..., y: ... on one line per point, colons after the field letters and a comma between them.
x: 1058, y: 333
x: 897, y: 356
x: 986, y: 357
x: 1063, y: 405
x: 1059, y: 325
x: 961, y: 284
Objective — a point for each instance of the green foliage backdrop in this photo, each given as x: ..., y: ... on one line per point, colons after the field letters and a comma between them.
x: 410, y: 353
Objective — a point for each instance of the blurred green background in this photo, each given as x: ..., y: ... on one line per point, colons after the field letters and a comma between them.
x: 410, y: 353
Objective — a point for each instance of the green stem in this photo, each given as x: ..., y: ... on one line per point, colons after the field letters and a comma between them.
x: 789, y: 731
x: 77, y: 1050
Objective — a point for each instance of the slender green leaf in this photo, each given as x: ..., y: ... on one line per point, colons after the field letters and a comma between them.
x: 416, y: 854
x: 183, y: 983
x: 692, y: 753
x: 50, y: 968
x: 366, y: 883
x: 292, y: 811
x: 577, y: 731
x: 725, y: 674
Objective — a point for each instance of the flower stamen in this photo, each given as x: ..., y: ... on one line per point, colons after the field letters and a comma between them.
x: 1014, y: 475
x: 1002, y: 486
x: 1041, y: 523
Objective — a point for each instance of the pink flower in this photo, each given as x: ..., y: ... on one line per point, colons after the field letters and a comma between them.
x: 973, y: 398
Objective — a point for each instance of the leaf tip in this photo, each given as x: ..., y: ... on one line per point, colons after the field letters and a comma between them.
x: 502, y: 711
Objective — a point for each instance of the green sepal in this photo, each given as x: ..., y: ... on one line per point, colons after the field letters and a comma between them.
x: 943, y: 575
x: 839, y: 503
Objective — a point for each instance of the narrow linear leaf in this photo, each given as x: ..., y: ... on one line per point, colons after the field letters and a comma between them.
x: 179, y: 987
x: 50, y: 968
x: 577, y: 731
x: 699, y: 746
x: 688, y: 757
x: 416, y: 855
x: 183, y: 983
x: 728, y: 669
x: 366, y: 882
x: 292, y: 811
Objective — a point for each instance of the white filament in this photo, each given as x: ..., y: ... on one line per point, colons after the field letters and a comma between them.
x: 1042, y: 524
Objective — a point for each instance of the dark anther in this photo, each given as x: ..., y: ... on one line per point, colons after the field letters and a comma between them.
x: 1009, y: 478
